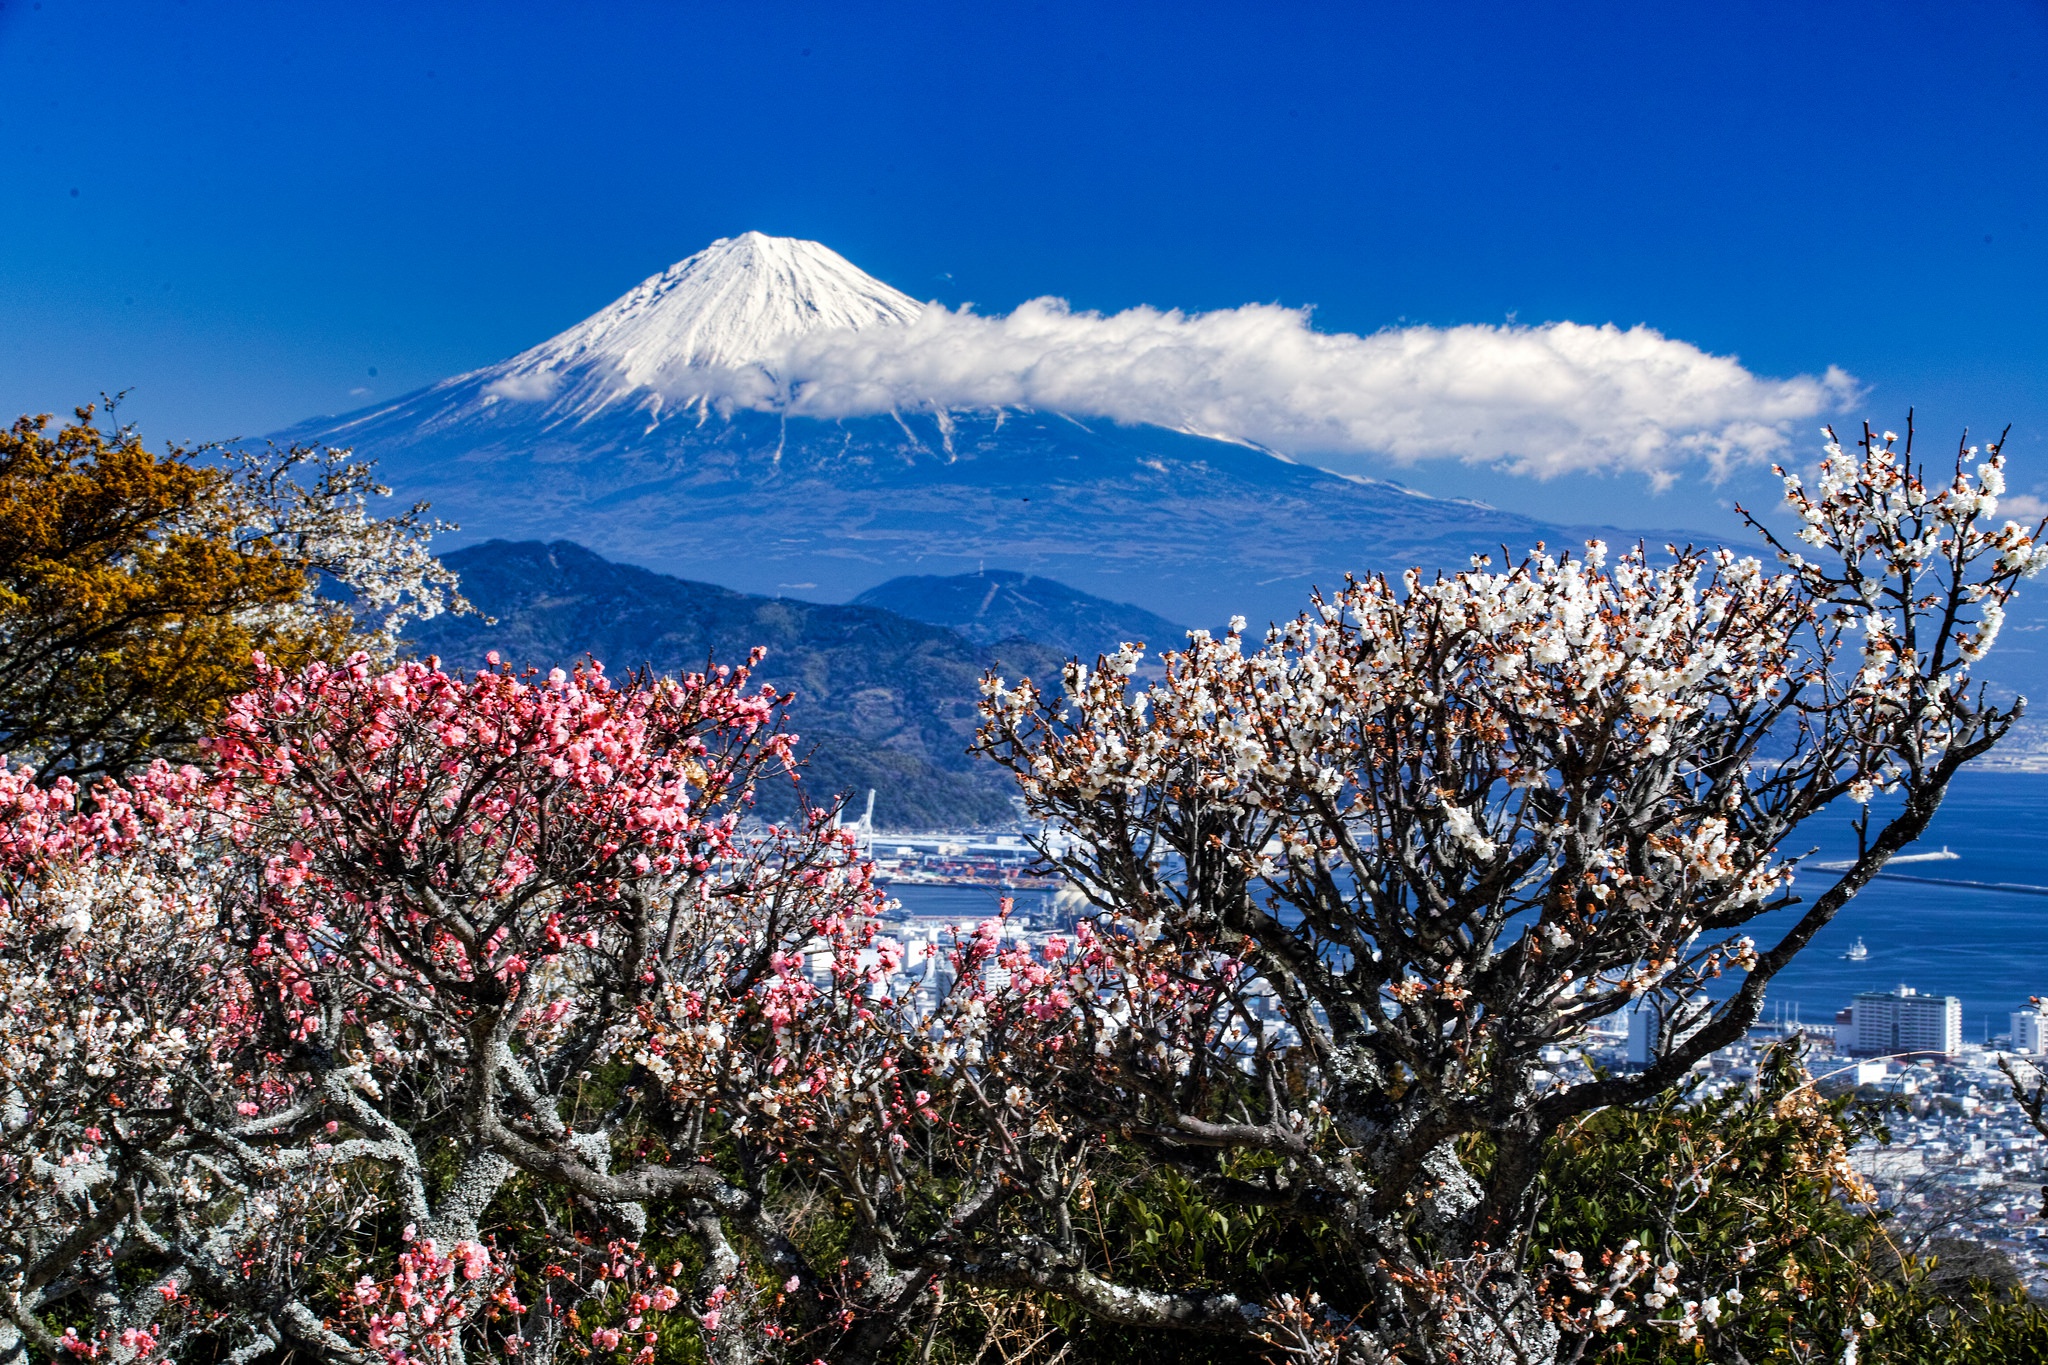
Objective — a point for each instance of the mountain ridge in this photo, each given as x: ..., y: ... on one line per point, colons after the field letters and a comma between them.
x: 1191, y: 528
x: 882, y: 701
x: 994, y: 605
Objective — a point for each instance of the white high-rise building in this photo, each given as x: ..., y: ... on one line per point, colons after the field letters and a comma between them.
x: 2029, y: 1032
x: 1890, y: 1023
x: 1642, y: 1035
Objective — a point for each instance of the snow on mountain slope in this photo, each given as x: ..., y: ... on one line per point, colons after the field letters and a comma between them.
x: 626, y: 433
x: 709, y: 326
x: 630, y: 433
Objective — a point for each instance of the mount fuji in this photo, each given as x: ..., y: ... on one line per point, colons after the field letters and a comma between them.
x: 667, y: 431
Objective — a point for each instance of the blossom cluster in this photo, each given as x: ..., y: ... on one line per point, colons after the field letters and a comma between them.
x: 416, y: 1315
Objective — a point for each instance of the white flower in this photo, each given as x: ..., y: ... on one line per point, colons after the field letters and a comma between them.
x: 1462, y: 828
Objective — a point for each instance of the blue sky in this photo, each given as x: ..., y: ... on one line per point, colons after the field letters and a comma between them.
x: 273, y: 201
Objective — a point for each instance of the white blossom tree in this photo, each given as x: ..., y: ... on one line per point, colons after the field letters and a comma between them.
x: 124, y: 1008
x: 313, y: 505
x: 1353, y: 883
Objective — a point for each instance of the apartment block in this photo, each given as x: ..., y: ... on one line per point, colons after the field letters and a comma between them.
x: 1904, y: 1022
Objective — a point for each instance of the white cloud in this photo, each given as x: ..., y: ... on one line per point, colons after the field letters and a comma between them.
x: 1543, y: 400
x: 2023, y: 507
x: 531, y: 386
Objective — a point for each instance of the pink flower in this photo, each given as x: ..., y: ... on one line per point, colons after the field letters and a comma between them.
x: 474, y: 1258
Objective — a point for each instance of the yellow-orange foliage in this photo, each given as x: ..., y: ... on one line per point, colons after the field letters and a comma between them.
x: 131, y: 599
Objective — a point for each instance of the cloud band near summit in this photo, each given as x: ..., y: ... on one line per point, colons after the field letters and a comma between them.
x: 1544, y: 400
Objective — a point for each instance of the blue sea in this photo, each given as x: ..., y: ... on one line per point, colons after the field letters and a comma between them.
x: 1989, y: 948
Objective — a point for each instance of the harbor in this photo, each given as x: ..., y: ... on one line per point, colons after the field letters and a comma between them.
x: 1000, y: 860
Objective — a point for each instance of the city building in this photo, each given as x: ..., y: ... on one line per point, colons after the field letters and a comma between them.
x: 1646, y: 1031
x: 1642, y: 1035
x: 2028, y: 1032
x: 1904, y: 1022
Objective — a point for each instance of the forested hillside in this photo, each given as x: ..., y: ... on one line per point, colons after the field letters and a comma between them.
x: 1003, y: 604
x: 882, y: 701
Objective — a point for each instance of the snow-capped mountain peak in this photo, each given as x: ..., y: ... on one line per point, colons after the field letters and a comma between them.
x: 729, y: 309
x: 675, y: 429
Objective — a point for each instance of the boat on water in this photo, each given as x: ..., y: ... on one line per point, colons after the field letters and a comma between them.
x: 1858, y: 951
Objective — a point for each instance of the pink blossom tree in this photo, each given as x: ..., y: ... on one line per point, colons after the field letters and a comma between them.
x: 350, y: 1038
x: 474, y: 899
